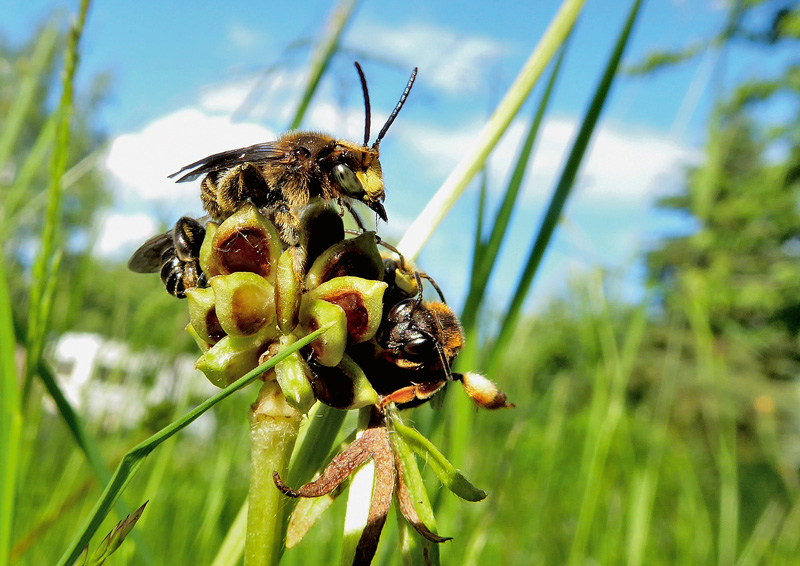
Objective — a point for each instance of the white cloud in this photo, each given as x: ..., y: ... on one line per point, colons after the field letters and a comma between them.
x: 451, y: 61
x: 121, y: 233
x: 141, y: 161
x: 243, y: 37
x: 620, y: 165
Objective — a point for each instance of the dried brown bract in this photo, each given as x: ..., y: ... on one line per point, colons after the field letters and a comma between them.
x: 373, y: 444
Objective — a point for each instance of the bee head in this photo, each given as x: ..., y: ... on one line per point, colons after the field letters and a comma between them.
x: 361, y: 178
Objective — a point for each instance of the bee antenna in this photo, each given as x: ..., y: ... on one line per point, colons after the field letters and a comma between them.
x: 435, y: 286
x: 368, y: 118
x: 445, y: 364
x: 396, y: 109
x: 419, y: 289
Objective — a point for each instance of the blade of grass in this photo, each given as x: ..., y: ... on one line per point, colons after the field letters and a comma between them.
x: 474, y: 159
x: 603, y: 427
x: 33, y: 205
x: 642, y: 502
x: 563, y: 190
x: 479, y: 244
x: 35, y: 73
x: 232, y: 548
x: 43, y: 269
x: 135, y: 457
x: 693, y: 529
x: 10, y: 418
x: 484, y: 265
x: 323, y: 56
x: 18, y: 192
x: 786, y: 545
x: 763, y: 534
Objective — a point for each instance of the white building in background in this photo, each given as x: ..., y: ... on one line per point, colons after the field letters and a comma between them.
x: 109, y: 384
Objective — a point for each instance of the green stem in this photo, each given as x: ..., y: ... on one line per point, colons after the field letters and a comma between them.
x: 273, y: 431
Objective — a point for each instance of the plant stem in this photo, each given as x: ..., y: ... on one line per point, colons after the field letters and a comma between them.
x: 273, y: 430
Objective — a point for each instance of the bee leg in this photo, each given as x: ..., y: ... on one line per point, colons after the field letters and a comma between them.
x: 239, y: 184
x: 288, y: 224
x: 421, y: 392
x: 208, y: 195
x: 347, y: 206
x: 281, y: 215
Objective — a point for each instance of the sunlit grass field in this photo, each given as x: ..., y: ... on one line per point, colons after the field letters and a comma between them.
x: 575, y: 472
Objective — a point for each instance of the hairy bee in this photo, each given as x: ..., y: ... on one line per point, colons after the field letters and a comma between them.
x: 420, y: 341
x: 416, y: 345
x: 175, y: 254
x: 281, y: 176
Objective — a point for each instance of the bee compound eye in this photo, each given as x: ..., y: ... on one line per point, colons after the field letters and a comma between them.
x: 418, y: 348
x: 401, y: 311
x: 347, y: 180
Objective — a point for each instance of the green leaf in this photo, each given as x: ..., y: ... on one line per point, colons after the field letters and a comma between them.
x: 323, y: 56
x: 451, y: 478
x: 46, y: 263
x: 483, y: 263
x: 10, y: 417
x: 412, y: 549
x: 562, y: 191
x: 134, y: 458
x: 473, y: 161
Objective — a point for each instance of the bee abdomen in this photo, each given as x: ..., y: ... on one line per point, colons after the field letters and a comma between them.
x: 180, y: 263
x: 172, y: 276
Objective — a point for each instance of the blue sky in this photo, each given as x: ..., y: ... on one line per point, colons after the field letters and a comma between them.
x: 189, y: 81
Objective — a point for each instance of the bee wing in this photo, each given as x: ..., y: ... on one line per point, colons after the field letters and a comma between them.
x: 147, y: 259
x: 225, y: 160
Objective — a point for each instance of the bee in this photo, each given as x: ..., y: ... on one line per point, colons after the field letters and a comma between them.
x: 418, y: 341
x: 175, y: 254
x: 280, y: 177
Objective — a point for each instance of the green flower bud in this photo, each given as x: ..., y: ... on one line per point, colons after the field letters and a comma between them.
x: 288, y: 292
x: 244, y: 302
x: 344, y: 386
x: 233, y: 356
x: 323, y: 228
x: 203, y: 315
x: 328, y: 348
x: 294, y: 378
x: 247, y: 241
x: 202, y: 344
x: 208, y: 262
x: 361, y: 300
x: 356, y: 257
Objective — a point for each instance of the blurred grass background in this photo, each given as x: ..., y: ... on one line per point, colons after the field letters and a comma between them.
x: 665, y: 432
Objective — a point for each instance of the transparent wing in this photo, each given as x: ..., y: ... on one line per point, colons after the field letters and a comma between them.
x: 259, y: 152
